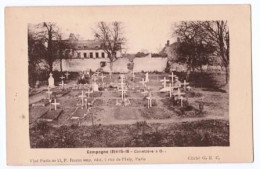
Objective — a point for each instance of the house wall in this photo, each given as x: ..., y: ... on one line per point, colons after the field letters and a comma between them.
x: 145, y: 64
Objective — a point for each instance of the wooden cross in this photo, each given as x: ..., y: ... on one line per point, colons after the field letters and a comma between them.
x: 172, y: 76
x: 185, y: 84
x: 179, y: 94
x: 55, y: 104
x: 170, y: 90
x: 123, y: 88
x: 62, y: 77
x: 149, y: 98
x: 62, y: 84
x: 164, y: 81
x: 67, y: 75
x: 82, y: 96
x: 49, y: 92
x: 89, y: 91
x: 102, y: 77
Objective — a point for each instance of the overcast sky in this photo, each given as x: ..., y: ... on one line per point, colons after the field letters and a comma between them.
x: 149, y: 36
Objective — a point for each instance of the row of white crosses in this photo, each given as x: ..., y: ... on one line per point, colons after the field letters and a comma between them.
x: 175, y: 83
x: 62, y: 84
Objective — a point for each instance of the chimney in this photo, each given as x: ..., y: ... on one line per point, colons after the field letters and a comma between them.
x: 168, y: 43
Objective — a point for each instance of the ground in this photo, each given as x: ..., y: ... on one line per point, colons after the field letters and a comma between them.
x: 135, y: 125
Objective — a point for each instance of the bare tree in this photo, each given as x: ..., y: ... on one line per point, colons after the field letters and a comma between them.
x: 218, y: 34
x: 192, y: 49
x: 51, y: 33
x: 112, y: 38
x: 212, y: 38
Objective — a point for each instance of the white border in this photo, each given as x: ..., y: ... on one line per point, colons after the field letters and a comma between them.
x: 255, y: 6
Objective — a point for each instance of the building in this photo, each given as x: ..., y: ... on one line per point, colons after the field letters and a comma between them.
x: 170, y: 50
x: 86, y: 49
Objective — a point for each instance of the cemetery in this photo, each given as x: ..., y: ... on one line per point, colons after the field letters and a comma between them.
x: 140, y: 104
x: 93, y: 93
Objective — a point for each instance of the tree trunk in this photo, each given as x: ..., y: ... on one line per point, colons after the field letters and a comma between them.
x: 227, y: 74
x: 188, y: 74
x: 61, y: 65
x: 51, y: 65
x: 111, y: 69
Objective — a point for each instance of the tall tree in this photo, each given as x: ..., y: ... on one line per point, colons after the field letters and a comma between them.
x: 192, y: 49
x: 36, y: 52
x: 218, y: 34
x: 51, y: 34
x: 112, y: 38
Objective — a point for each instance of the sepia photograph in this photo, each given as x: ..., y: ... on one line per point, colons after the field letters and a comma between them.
x: 121, y: 84
x: 128, y: 84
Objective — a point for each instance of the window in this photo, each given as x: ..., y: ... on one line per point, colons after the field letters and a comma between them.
x: 103, y: 55
x: 78, y: 55
x: 91, y: 54
x: 85, y: 55
x: 97, y: 54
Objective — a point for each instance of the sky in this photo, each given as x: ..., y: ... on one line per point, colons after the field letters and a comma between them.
x: 139, y: 37
x: 145, y: 28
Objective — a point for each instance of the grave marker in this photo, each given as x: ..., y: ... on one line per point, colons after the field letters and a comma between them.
x: 82, y: 96
x: 67, y: 75
x: 102, y: 77
x: 51, y: 81
x: 149, y: 98
x: 164, y: 82
x: 185, y: 84
x: 49, y: 92
x: 55, y: 104
x: 172, y: 77
x: 89, y: 92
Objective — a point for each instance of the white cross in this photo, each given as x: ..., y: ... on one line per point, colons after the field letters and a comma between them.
x: 62, y: 84
x: 82, y: 96
x: 102, y: 77
x: 49, y: 92
x: 170, y: 90
x: 179, y: 93
x: 164, y: 82
x: 62, y: 77
x: 67, y: 75
x: 123, y: 88
x: 185, y: 84
x: 149, y: 98
x: 172, y: 76
x: 133, y: 74
x: 55, y: 104
x: 89, y: 91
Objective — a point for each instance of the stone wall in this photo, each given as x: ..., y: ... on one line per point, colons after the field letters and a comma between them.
x: 145, y: 64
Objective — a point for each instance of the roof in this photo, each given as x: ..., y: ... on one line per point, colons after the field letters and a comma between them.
x: 86, y: 44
